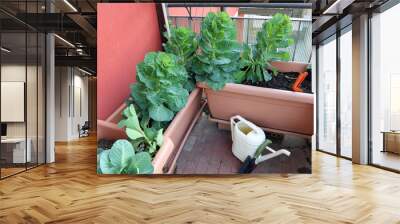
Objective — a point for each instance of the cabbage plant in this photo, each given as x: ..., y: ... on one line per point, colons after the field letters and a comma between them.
x: 218, y: 58
x: 159, y: 91
x: 143, y: 137
x: 122, y: 159
x: 273, y: 42
x: 183, y: 43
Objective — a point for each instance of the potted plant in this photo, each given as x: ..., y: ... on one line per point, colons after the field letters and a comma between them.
x: 217, y: 68
x: 159, y: 101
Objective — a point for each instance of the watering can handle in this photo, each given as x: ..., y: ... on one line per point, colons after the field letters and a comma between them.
x: 236, y: 117
x: 233, y: 123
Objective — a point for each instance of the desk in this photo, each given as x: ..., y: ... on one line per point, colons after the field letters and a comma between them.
x: 18, y: 151
x: 391, y: 141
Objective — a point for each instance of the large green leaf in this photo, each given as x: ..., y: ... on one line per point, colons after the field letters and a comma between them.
x: 160, y: 113
x: 141, y: 164
x: 134, y: 133
x: 120, y: 153
x: 159, y: 137
x: 106, y: 167
x: 121, y: 159
x: 131, y: 120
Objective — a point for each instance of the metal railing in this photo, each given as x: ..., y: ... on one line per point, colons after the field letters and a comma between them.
x: 248, y: 27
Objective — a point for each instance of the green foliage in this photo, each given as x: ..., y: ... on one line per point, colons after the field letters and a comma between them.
x: 122, y: 159
x: 219, y: 54
x: 99, y: 151
x: 159, y: 91
x: 273, y: 42
x: 144, y: 138
x: 183, y: 43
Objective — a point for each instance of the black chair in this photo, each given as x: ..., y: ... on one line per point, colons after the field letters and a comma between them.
x: 84, y: 130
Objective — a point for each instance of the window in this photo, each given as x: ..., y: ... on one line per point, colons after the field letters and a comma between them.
x: 327, y: 96
x: 346, y: 93
x: 385, y: 89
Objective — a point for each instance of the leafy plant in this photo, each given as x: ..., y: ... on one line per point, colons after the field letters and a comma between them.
x: 183, y: 43
x: 122, y: 159
x: 144, y: 138
x: 159, y: 91
x: 273, y: 41
x: 99, y: 151
x: 219, y: 53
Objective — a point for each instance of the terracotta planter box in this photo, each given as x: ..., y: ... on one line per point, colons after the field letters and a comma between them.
x: 174, y: 137
x: 273, y: 109
x: 289, y: 66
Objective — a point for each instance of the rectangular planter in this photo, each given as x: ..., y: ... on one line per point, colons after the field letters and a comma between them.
x: 269, y: 108
x: 174, y: 136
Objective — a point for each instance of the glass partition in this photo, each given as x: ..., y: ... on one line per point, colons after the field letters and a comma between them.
x: 13, y: 109
x: 327, y: 96
x: 23, y: 91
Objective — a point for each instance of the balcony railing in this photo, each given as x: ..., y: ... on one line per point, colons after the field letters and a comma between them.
x: 248, y: 26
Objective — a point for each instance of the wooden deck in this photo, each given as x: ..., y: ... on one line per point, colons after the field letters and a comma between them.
x: 208, y: 150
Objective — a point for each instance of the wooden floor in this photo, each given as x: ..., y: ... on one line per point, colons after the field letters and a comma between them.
x: 386, y: 159
x: 69, y: 191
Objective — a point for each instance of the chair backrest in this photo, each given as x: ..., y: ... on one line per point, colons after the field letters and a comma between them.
x: 86, y: 125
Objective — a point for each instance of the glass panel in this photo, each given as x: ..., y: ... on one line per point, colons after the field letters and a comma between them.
x: 346, y: 94
x: 31, y: 100
x: 41, y: 98
x: 385, y: 84
x: 13, y: 90
x: 32, y: 89
x: 327, y: 97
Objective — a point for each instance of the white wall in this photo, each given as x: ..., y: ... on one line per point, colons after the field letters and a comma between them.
x: 71, y: 87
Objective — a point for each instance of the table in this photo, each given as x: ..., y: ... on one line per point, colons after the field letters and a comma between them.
x: 18, y: 151
x: 391, y: 141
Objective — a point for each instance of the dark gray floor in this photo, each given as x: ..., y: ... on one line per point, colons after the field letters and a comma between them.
x: 208, y: 151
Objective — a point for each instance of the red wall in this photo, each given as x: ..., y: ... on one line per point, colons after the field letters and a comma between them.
x: 125, y: 33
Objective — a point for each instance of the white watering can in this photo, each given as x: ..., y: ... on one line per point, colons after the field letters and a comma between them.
x: 247, y: 137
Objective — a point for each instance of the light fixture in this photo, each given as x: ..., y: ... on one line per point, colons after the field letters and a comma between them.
x: 64, y: 40
x: 84, y: 71
x: 70, y: 5
x: 5, y: 50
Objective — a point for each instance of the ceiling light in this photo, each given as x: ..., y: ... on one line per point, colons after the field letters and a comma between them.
x: 5, y: 50
x: 70, y: 5
x: 64, y: 40
x: 84, y: 71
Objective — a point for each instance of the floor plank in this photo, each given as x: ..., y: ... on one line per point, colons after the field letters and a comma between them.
x: 69, y: 191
